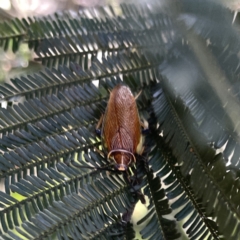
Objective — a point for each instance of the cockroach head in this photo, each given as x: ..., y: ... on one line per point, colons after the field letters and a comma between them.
x: 123, y: 158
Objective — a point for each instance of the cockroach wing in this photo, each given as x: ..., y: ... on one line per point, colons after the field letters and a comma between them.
x: 121, y: 127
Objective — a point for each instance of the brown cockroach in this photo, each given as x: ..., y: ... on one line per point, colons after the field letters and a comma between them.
x: 121, y: 128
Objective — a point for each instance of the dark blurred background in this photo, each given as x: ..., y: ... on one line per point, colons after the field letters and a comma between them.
x: 22, y: 62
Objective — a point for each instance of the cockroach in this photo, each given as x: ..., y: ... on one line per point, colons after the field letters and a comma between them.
x: 121, y: 128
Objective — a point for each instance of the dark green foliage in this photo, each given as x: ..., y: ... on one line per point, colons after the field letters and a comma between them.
x: 13, y: 32
x: 52, y: 81
x: 188, y: 75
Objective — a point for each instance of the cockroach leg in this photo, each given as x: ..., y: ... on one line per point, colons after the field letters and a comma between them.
x: 99, y: 151
x: 142, y: 150
x: 138, y: 193
x: 98, y: 127
x: 127, y: 216
x: 101, y: 168
x: 126, y: 176
x: 144, y: 125
x: 136, y: 97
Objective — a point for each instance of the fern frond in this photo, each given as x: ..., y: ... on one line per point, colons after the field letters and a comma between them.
x: 166, y: 229
x: 55, y: 80
x: 187, y: 206
x: 45, y: 148
x: 193, y: 153
x: 50, y: 158
x: 63, y: 126
x: 65, y: 210
x: 85, y: 48
x: 13, y: 32
x: 44, y: 31
x: 210, y: 20
x: 229, y: 63
x: 60, y: 111
x: 206, y: 105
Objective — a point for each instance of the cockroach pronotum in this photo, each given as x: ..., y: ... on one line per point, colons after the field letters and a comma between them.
x: 121, y: 128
